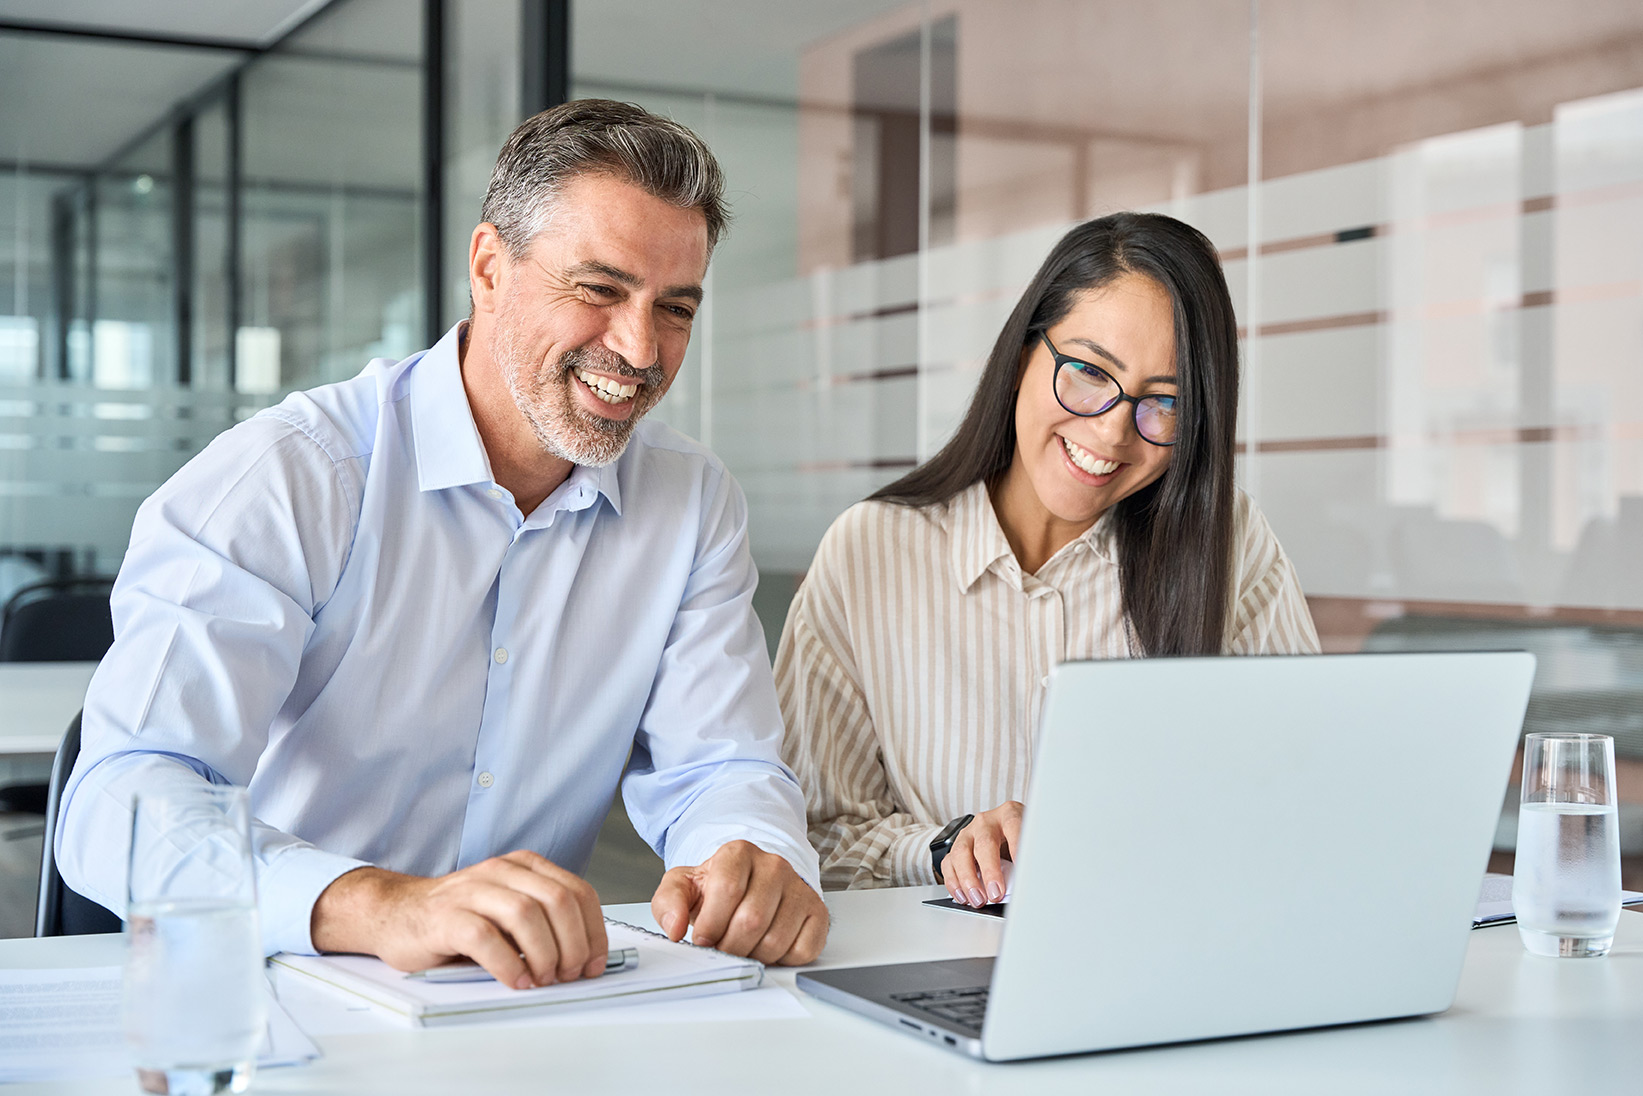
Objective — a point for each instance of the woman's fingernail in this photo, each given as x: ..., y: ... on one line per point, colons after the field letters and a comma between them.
x: 994, y: 892
x: 975, y: 897
x: 523, y: 981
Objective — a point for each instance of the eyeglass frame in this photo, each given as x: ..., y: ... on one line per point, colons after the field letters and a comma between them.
x: 1122, y: 397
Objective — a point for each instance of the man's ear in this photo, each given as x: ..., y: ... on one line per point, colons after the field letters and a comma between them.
x: 487, y: 264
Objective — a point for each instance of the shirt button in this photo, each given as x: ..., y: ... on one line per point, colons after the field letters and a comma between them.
x: 486, y: 780
x: 501, y: 655
x: 494, y: 493
x: 1044, y: 681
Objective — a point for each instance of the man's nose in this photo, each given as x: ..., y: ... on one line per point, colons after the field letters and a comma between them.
x: 632, y: 334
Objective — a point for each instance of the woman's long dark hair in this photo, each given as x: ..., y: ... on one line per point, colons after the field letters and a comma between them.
x: 1175, y: 535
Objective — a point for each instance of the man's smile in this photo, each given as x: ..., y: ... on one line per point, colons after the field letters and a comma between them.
x: 606, y: 388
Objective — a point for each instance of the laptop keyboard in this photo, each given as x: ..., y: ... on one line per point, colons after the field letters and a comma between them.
x: 962, y: 1008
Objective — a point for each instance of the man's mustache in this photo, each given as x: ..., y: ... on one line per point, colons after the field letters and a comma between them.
x: 608, y: 361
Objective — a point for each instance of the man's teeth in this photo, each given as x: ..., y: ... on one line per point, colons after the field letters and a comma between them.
x: 1087, y: 460
x: 605, y: 388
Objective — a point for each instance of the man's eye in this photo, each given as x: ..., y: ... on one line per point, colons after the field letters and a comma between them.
x: 681, y: 311
x: 599, y: 290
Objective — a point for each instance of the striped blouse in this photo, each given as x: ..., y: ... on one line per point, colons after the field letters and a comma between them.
x: 915, y: 658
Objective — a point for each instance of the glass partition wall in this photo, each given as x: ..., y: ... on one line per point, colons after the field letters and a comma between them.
x: 1431, y: 217
x: 252, y: 228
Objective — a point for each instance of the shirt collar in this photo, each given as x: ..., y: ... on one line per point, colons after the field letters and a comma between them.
x: 976, y: 537
x: 978, y: 540
x: 449, y: 452
x: 1102, y: 537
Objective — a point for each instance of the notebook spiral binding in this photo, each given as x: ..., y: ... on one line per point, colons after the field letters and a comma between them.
x: 759, y: 981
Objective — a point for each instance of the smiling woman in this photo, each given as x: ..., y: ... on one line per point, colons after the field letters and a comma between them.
x: 1085, y: 508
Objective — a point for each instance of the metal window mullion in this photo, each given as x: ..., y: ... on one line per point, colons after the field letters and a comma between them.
x: 235, y: 243
x: 544, y: 60
x: 433, y: 167
x: 182, y: 246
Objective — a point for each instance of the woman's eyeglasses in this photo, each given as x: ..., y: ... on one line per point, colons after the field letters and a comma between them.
x: 1088, y: 390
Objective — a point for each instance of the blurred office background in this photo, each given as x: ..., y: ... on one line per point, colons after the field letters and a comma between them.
x: 1430, y: 211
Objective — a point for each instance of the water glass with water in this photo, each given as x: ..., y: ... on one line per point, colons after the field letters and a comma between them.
x: 195, y: 1008
x: 1566, y: 880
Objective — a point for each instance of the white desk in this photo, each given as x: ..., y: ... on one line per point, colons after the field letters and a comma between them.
x: 37, y: 700
x: 1520, y: 1024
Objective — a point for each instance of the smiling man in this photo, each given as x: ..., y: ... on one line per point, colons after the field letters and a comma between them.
x: 433, y: 615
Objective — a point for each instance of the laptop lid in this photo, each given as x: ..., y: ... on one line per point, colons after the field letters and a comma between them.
x: 1223, y: 846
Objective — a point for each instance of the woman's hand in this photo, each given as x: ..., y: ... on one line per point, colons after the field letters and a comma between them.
x: 971, y: 870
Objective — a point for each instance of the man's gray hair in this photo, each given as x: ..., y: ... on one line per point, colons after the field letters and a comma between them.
x: 594, y: 137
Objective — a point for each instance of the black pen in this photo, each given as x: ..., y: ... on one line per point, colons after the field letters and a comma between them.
x: 618, y: 960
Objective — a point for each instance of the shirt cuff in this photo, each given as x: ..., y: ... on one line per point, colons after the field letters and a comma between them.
x: 287, y: 888
x: 909, y: 856
x: 704, y: 840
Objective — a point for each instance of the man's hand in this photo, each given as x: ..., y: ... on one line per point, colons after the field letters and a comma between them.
x: 527, y: 921
x: 745, y: 901
x: 971, y: 870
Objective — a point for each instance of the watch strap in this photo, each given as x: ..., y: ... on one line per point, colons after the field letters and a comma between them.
x: 943, y: 842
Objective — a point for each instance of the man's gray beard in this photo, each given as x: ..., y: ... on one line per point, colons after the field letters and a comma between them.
x: 566, y: 431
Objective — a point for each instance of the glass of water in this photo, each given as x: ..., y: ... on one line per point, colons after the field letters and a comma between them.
x: 195, y: 1008
x: 1566, y: 880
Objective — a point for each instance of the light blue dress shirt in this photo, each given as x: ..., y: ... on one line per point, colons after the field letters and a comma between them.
x: 336, y: 605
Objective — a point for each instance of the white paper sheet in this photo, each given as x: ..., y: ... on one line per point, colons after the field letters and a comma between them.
x: 65, y: 1024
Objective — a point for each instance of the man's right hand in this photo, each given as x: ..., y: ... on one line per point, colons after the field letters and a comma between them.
x: 523, y: 918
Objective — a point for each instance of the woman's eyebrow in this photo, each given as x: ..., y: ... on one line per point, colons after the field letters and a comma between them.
x: 1091, y: 344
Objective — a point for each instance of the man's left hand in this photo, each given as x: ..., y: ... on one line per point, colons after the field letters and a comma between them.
x: 745, y: 901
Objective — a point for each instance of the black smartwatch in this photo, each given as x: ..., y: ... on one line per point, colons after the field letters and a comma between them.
x: 943, y: 844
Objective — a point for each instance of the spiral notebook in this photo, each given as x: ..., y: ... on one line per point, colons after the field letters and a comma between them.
x: 666, y: 971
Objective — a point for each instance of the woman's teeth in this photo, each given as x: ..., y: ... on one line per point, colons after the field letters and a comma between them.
x: 605, y: 388
x: 1088, y: 460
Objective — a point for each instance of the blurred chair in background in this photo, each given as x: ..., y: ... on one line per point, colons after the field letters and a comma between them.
x: 60, y: 911
x: 58, y: 620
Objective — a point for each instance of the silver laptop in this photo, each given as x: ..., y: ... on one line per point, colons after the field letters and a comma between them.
x: 1226, y: 846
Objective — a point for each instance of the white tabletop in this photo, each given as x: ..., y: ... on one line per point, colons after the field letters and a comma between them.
x: 37, y: 701
x: 1520, y: 1024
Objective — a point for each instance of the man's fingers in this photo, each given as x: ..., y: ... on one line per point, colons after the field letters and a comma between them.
x: 479, y: 938
x: 674, y: 902
x: 757, y: 909
x: 722, y: 881
x: 521, y: 919
x: 812, y: 938
x: 572, y: 908
x: 784, y: 928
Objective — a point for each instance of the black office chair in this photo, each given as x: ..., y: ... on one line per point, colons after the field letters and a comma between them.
x: 59, y: 910
x: 59, y: 620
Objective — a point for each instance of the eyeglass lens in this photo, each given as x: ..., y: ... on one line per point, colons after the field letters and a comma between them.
x: 1084, y: 389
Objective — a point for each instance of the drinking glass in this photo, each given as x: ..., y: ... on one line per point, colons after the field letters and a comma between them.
x: 1566, y: 880
x: 195, y: 1008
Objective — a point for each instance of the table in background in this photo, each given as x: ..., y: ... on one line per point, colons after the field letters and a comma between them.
x: 1520, y: 1024
x: 37, y: 701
